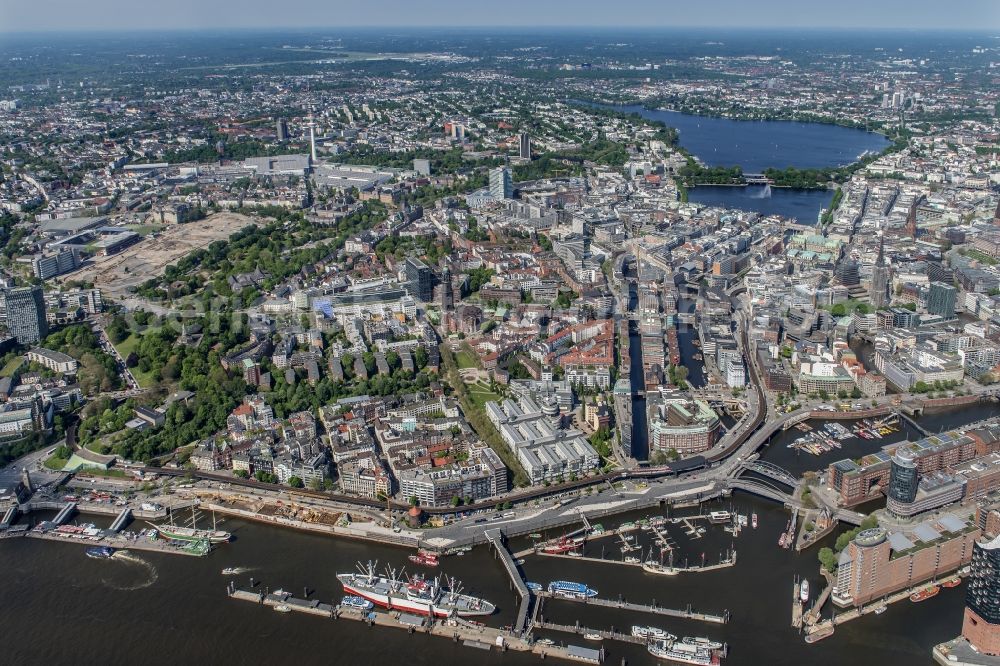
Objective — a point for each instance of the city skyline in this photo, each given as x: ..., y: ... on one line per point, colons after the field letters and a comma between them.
x: 62, y: 15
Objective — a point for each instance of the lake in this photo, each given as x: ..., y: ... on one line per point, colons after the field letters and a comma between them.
x: 756, y: 145
x: 802, y: 205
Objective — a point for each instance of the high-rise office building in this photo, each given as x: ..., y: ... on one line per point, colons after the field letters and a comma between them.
x: 981, y: 621
x: 501, y: 185
x: 51, y: 265
x: 846, y: 273
x: 282, y: 129
x: 904, y: 481
x: 25, y: 308
x: 421, y: 279
x: 525, y: 144
x: 941, y: 300
x: 881, y: 294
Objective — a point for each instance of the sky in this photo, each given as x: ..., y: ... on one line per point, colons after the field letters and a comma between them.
x: 72, y: 15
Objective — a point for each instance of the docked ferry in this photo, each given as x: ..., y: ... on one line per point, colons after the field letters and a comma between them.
x: 654, y: 633
x: 563, y: 588
x: 706, y: 643
x: 684, y: 653
x: 356, y: 602
x: 100, y: 552
x: 415, y: 594
x: 719, y: 517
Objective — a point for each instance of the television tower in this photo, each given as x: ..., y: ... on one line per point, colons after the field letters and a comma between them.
x: 312, y: 136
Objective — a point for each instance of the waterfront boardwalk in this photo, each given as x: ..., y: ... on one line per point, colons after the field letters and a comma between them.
x: 496, y: 539
x: 688, y: 614
x: 118, y: 543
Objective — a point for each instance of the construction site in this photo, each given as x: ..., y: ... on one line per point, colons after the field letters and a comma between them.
x: 115, y: 274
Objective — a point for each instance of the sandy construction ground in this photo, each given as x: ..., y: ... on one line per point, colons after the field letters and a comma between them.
x: 149, y: 257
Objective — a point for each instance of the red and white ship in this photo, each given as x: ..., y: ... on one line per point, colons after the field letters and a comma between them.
x: 426, y: 559
x: 415, y: 594
x: 563, y: 545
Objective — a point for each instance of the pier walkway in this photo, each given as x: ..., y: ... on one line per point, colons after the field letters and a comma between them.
x: 496, y: 538
x: 282, y: 598
x: 694, y: 568
x: 577, y: 629
x: 9, y: 517
x: 688, y: 614
x: 65, y: 513
x: 454, y: 629
x: 123, y: 519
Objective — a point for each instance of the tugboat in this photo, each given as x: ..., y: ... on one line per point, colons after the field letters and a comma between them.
x: 100, y: 552
x: 425, y: 559
x: 925, y: 594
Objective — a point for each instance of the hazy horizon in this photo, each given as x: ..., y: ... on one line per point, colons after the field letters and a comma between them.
x: 119, y: 15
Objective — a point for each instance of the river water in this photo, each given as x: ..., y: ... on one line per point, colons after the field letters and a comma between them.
x: 63, y: 608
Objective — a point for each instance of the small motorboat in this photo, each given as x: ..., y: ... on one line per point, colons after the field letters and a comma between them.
x: 283, y: 608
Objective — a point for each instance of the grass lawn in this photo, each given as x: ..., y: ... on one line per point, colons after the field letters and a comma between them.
x: 466, y: 359
x: 126, y: 347
x: 55, y: 462
x: 481, y: 394
x: 980, y: 257
x: 11, y: 366
x: 144, y: 229
x: 99, y: 445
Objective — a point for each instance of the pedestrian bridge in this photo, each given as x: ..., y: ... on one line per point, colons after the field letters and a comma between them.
x: 771, y: 471
x: 761, y: 488
x: 498, y: 541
